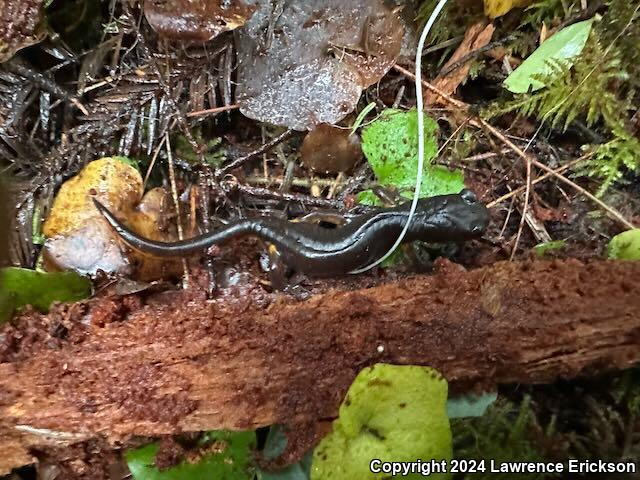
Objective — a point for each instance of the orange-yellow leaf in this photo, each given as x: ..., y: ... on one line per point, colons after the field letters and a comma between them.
x: 497, y: 8
x: 79, y: 239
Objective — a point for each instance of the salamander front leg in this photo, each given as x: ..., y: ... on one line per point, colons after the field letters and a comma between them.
x: 277, y: 270
x: 282, y: 277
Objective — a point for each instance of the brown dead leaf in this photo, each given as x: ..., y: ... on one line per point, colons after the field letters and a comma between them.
x: 329, y: 149
x: 312, y: 65
x: 79, y: 239
x: 477, y: 36
x: 196, y: 20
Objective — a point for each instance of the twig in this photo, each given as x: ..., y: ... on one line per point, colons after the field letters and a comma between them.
x: 289, y: 197
x: 176, y: 201
x: 518, y: 190
x: 41, y: 81
x: 484, y: 156
x: 455, y: 132
x: 474, y: 53
x: 613, y: 213
x: 213, y: 111
x: 334, y: 185
x: 525, y: 207
x: 443, y: 45
x: 256, y: 153
x: 166, y: 88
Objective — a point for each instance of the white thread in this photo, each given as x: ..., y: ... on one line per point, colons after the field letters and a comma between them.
x: 419, y: 106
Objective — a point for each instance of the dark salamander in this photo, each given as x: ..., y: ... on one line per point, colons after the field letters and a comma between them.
x: 322, y: 252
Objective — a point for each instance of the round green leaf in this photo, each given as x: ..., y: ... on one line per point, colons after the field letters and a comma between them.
x: 625, y: 246
x: 390, y: 145
x: 391, y: 413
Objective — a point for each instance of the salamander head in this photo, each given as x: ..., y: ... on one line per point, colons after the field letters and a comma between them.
x: 450, y: 218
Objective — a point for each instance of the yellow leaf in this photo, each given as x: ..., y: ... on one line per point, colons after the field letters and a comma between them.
x: 110, y: 180
x: 79, y: 239
x: 497, y: 8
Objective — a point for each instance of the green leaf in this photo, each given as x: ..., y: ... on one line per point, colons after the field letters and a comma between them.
x: 391, y: 413
x: 543, y: 248
x: 20, y: 287
x: 563, y: 47
x: 625, y: 246
x: 390, y: 145
x: 228, y: 459
x: 470, y: 405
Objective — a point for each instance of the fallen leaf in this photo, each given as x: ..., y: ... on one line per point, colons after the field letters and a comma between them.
x: 79, y: 239
x: 313, y: 65
x: 196, y: 20
x: 470, y: 405
x: 625, y: 246
x: 477, y: 36
x: 329, y: 149
x: 497, y: 8
x: 563, y: 46
x: 226, y: 456
x: 545, y: 248
x: 20, y: 287
x: 391, y: 413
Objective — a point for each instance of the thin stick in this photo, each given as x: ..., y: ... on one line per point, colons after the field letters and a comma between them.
x: 176, y: 201
x: 153, y: 161
x: 296, y: 182
x: 525, y: 207
x: 455, y: 132
x: 484, y: 156
x: 613, y: 213
x: 256, y: 153
x: 212, y: 111
x: 518, y: 190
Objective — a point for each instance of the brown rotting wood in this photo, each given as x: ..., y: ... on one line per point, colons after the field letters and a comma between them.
x: 180, y: 363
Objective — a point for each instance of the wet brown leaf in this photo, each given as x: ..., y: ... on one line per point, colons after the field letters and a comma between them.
x: 195, y: 20
x: 477, y: 36
x: 329, y: 149
x: 311, y: 67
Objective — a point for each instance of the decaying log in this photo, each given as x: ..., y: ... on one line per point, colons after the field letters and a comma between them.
x: 175, y: 362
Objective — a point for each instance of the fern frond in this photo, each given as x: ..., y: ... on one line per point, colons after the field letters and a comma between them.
x: 547, y: 11
x: 584, y: 90
x: 620, y: 15
x: 613, y: 159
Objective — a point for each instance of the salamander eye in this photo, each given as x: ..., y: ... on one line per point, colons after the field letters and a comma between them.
x: 468, y: 196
